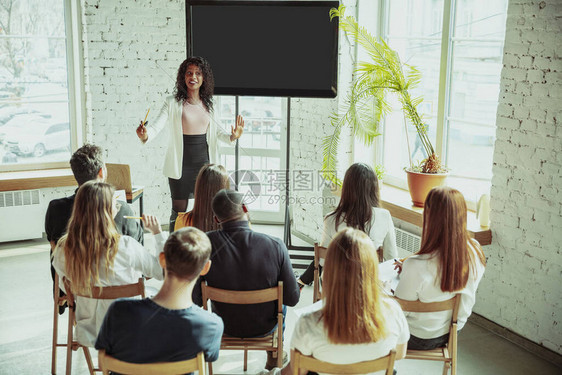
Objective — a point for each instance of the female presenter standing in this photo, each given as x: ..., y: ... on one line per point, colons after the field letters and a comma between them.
x: 193, y: 136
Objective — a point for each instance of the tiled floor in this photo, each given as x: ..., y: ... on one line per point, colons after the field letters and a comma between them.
x: 26, y: 328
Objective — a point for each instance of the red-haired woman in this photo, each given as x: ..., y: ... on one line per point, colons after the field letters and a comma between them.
x: 357, y: 321
x: 449, y: 262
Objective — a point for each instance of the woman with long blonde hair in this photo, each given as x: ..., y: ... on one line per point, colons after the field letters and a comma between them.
x: 449, y: 262
x: 210, y: 180
x: 357, y: 321
x: 93, y: 253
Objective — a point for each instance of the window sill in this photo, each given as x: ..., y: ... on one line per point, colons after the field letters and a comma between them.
x: 37, y: 179
x: 399, y: 203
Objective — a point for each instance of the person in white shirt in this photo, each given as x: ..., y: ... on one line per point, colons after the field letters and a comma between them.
x: 93, y: 253
x: 357, y: 320
x: 449, y: 262
x: 359, y: 208
x: 192, y: 131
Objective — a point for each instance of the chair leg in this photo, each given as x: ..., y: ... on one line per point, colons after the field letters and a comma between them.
x: 210, y: 368
x: 245, y: 360
x: 88, y: 359
x: 446, y: 367
x: 69, y: 341
x: 55, y: 338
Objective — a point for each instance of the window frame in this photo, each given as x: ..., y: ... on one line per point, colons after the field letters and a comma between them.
x: 76, y: 92
x: 444, y: 92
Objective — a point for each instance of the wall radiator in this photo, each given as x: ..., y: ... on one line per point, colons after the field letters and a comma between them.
x: 21, y: 215
x: 406, y: 243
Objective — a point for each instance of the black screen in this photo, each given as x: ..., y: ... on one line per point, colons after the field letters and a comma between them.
x: 266, y: 48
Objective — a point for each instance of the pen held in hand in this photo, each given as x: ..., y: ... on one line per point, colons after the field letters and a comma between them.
x: 133, y: 217
x: 145, y: 117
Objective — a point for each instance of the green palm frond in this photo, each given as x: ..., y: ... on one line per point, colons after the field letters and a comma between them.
x: 366, y: 103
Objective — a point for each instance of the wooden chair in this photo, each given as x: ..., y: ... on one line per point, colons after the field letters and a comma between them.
x: 270, y: 343
x: 380, y: 254
x: 448, y: 353
x: 119, y: 175
x: 58, y: 301
x: 319, y: 253
x: 303, y: 362
x: 108, y: 292
x: 108, y: 363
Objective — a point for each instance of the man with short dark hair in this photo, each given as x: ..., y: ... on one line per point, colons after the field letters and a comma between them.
x: 87, y: 164
x: 167, y: 327
x: 246, y: 260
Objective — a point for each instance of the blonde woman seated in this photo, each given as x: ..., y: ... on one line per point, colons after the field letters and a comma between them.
x: 359, y: 208
x: 211, y: 179
x: 93, y: 253
x: 358, y: 321
x: 448, y: 262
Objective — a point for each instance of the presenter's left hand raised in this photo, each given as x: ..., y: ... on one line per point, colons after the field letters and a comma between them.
x: 236, y: 131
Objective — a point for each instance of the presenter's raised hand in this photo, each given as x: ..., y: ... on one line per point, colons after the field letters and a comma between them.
x: 237, y: 130
x: 141, y: 131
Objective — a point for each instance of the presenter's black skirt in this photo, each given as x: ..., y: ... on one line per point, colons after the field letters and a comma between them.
x: 195, y: 155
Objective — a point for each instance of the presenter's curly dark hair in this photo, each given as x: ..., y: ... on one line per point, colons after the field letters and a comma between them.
x: 207, y: 88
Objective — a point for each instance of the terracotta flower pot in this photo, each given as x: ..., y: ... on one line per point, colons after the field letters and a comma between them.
x: 420, y: 184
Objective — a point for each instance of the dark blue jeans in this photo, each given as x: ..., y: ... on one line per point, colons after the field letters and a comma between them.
x: 416, y: 343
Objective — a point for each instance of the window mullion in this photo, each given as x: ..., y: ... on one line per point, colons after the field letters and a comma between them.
x: 445, y: 70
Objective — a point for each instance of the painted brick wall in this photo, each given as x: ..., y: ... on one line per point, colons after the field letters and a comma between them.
x: 521, y: 289
x: 132, y: 52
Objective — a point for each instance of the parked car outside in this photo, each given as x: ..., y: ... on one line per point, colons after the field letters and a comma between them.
x: 38, y: 139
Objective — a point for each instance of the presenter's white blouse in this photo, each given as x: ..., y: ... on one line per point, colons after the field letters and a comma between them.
x: 310, y: 337
x: 170, y: 118
x: 132, y: 261
x: 419, y: 280
x: 382, y: 231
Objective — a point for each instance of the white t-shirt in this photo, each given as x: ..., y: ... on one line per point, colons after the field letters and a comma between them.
x: 310, y: 338
x: 418, y: 280
x: 131, y: 262
x: 382, y: 231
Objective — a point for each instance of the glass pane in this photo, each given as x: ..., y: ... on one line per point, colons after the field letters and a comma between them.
x: 261, y: 156
x: 34, y: 111
x: 475, y: 86
x: 417, y: 39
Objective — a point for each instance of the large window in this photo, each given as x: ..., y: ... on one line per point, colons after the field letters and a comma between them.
x: 460, y: 61
x: 35, y: 110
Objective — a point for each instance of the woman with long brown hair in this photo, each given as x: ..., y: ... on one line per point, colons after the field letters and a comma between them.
x: 210, y: 180
x: 449, y: 262
x: 357, y: 321
x: 93, y: 253
x: 359, y: 208
x: 193, y: 134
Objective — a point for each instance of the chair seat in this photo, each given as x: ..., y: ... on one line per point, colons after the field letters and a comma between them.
x: 253, y: 342
x: 438, y: 354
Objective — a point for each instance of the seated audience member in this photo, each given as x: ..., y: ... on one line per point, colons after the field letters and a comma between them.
x: 87, y: 165
x: 167, y: 327
x: 210, y: 180
x: 359, y: 208
x: 357, y: 321
x: 93, y: 253
x: 246, y: 260
x: 449, y: 262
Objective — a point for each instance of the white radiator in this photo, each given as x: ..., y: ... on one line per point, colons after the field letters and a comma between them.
x: 407, y: 243
x: 21, y: 215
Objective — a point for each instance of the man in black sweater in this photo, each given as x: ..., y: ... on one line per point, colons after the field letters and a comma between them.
x: 246, y: 260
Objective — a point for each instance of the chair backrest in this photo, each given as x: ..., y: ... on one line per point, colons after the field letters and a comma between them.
x: 119, y: 175
x: 243, y: 297
x: 108, y: 292
x: 108, y: 363
x: 319, y: 253
x: 380, y: 254
x: 302, y: 362
x: 418, y: 306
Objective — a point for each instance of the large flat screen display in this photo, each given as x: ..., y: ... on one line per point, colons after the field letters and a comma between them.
x: 266, y: 48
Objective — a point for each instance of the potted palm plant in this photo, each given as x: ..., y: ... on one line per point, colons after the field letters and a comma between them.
x: 366, y: 105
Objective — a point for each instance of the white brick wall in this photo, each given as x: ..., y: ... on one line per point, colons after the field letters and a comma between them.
x: 521, y: 289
